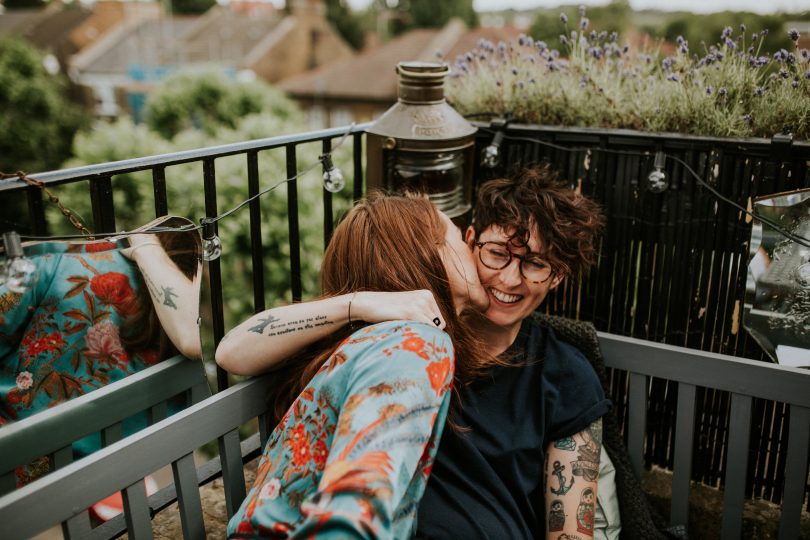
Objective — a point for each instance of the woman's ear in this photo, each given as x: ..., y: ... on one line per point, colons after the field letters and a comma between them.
x: 469, y: 237
x: 555, y: 281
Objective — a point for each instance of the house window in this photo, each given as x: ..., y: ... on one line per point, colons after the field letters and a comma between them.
x: 317, y: 118
x: 340, y: 117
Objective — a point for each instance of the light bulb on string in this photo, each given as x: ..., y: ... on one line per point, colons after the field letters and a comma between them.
x: 491, y: 155
x: 657, y: 178
x: 20, y: 272
x: 333, y: 180
x: 212, y: 245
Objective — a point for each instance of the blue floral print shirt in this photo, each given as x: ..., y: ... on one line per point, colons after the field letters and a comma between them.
x: 352, y: 455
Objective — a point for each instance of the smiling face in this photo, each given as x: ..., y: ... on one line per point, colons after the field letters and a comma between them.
x: 461, y: 270
x: 511, y: 297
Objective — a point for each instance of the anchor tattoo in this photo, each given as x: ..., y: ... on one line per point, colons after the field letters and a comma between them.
x: 558, y: 472
x: 259, y: 328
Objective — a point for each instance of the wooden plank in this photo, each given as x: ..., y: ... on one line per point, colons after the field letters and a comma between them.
x: 637, y: 420
x: 61, y: 457
x: 8, y: 481
x: 77, y: 527
x: 795, y: 473
x: 136, y: 511
x: 682, y: 469
x: 188, y: 497
x: 156, y: 413
x: 233, y: 476
x: 111, y: 434
x: 736, y: 466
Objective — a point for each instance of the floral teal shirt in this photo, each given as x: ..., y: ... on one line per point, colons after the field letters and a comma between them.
x: 62, y: 337
x: 351, y: 457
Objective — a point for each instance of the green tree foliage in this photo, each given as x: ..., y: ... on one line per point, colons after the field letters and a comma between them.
x: 209, y: 101
x: 37, y: 123
x: 697, y: 29
x: 410, y: 14
x: 134, y: 199
x: 192, y: 6
x: 347, y: 23
x: 547, y: 26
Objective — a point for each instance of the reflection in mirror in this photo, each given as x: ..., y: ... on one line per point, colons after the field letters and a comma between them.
x: 777, y: 296
x: 96, y: 312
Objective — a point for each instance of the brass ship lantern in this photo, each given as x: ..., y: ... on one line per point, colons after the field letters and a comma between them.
x: 422, y: 143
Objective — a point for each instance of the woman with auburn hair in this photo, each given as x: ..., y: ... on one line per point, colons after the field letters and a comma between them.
x: 360, y: 411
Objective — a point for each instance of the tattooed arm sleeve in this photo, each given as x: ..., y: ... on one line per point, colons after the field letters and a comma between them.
x: 268, y: 338
x: 572, y: 471
x: 174, y: 296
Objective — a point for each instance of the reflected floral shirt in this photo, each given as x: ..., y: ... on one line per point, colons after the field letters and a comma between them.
x: 352, y: 455
x: 62, y: 337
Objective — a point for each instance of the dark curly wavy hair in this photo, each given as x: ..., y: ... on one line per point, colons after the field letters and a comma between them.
x: 568, y: 223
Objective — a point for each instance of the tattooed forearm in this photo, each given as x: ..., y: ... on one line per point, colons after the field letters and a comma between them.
x: 565, y: 536
x: 287, y: 327
x: 561, y: 489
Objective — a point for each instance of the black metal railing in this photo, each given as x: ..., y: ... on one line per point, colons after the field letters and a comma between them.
x: 672, y: 266
x: 101, y: 177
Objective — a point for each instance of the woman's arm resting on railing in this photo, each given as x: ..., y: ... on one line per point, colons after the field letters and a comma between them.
x: 175, y: 297
x: 270, y: 337
x: 572, y: 471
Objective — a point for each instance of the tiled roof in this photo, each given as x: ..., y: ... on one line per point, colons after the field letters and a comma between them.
x: 226, y: 36
x: 371, y: 74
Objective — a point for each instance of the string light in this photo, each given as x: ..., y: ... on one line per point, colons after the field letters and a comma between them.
x: 491, y: 155
x: 333, y: 180
x: 20, y: 272
x: 658, y: 178
x: 212, y: 245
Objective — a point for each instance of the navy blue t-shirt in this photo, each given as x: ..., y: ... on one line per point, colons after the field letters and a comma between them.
x: 488, y: 482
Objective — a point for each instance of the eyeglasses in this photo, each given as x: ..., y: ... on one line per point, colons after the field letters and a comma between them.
x: 497, y: 256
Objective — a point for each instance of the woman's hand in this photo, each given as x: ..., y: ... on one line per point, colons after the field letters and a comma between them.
x: 375, y: 307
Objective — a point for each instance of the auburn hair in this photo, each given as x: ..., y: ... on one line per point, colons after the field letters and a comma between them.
x: 385, y: 243
x: 567, y: 222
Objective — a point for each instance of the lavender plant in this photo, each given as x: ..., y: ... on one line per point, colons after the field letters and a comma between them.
x: 727, y: 89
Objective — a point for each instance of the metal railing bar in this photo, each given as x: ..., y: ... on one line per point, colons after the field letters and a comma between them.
x: 188, y: 497
x: 176, y: 158
x: 682, y: 467
x: 214, y: 271
x: 36, y: 210
x: 736, y: 466
x: 101, y: 197
x: 637, y: 420
x: 738, y: 375
x: 136, y: 511
x: 256, y: 248
x: 328, y: 218
x: 292, y: 224
x: 795, y: 473
x: 357, y: 156
x: 159, y: 188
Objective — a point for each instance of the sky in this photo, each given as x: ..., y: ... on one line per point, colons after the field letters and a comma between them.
x: 697, y: 6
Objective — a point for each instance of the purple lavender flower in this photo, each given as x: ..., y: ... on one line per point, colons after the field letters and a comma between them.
x: 805, y: 54
x: 679, y: 40
x: 747, y: 118
x: 666, y: 63
x: 522, y: 40
x: 583, y: 81
x: 573, y: 35
x: 583, y: 23
x: 468, y: 57
x: 807, y: 74
x: 684, y: 47
x: 754, y: 37
x: 730, y: 44
x: 541, y: 46
x: 555, y: 53
x: 783, y: 73
x: 596, y: 52
x: 793, y: 34
x: 514, y: 71
x: 521, y: 84
x: 721, y: 91
x: 726, y: 32
x: 613, y: 37
x: 502, y: 47
x: 673, y: 77
x: 602, y: 35
x: 581, y: 10
x: 790, y: 58
x: 564, y: 18
x: 563, y: 40
x: 552, y: 66
x: 758, y: 91
x: 762, y: 61
x: 593, y: 35
x: 742, y: 27
x: 751, y: 50
x: 794, y: 84
x: 625, y: 48
x: 529, y: 41
x: 764, y: 32
x: 497, y: 83
x: 719, y: 56
x: 658, y: 110
x: 777, y: 56
x: 709, y: 89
